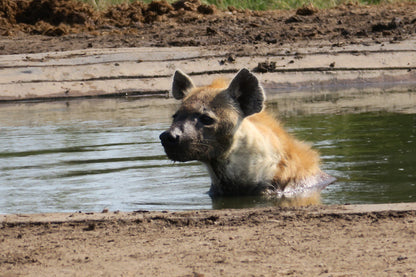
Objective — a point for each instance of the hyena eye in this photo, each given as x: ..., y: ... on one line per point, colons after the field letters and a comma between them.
x: 206, y: 120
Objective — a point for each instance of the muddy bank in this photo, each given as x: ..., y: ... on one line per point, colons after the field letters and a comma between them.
x: 140, y: 72
x: 370, y: 240
x: 78, y: 51
x: 28, y: 26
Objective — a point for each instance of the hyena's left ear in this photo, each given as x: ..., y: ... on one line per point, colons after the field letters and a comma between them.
x: 181, y: 85
x: 247, y: 92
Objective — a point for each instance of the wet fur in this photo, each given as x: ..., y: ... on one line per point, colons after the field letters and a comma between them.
x: 246, y: 151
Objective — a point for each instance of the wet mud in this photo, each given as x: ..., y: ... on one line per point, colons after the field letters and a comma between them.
x: 56, y: 25
x: 312, y: 241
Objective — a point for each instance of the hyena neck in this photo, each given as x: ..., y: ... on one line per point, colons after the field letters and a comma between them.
x: 248, y: 167
x: 223, y: 184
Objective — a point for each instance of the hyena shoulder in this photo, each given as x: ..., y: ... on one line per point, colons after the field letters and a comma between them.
x: 297, y: 159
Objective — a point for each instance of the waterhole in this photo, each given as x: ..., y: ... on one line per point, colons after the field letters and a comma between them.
x: 90, y: 155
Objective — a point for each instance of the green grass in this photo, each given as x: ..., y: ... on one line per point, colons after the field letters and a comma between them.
x: 285, y: 4
x: 256, y: 4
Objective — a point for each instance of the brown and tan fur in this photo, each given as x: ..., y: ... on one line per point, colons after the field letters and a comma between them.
x: 246, y: 151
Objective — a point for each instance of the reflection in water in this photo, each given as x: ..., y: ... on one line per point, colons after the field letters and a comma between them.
x: 241, y: 202
x: 96, y: 154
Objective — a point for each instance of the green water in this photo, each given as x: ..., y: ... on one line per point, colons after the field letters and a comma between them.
x: 373, y: 155
x: 94, y: 154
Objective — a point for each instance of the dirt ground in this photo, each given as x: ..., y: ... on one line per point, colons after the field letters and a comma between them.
x: 28, y: 26
x: 311, y: 241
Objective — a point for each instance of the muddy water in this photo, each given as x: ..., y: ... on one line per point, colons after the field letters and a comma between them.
x: 90, y: 155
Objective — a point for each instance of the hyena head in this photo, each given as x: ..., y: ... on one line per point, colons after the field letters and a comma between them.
x: 205, y: 123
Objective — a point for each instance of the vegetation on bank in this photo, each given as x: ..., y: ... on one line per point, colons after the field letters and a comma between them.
x: 255, y: 4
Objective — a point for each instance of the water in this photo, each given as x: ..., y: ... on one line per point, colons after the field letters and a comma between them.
x: 94, y: 154
x: 373, y: 155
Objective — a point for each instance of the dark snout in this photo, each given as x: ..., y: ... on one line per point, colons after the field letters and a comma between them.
x: 174, y: 147
x: 169, y: 139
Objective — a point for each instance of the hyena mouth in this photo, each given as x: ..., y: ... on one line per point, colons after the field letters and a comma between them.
x: 175, y: 150
x: 176, y: 155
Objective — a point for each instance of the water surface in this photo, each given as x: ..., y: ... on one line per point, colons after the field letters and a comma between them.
x: 93, y: 154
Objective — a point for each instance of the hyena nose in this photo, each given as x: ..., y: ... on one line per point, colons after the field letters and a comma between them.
x: 168, y: 138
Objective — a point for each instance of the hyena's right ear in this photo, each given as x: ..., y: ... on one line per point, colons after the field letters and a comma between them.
x: 181, y: 85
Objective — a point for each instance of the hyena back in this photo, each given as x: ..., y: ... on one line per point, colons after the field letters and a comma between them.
x: 246, y: 151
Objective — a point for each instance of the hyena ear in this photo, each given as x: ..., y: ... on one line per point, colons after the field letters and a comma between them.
x: 181, y: 85
x: 247, y: 92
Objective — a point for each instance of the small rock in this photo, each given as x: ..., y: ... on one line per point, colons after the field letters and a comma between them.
x: 306, y: 10
x: 265, y: 67
x: 401, y: 258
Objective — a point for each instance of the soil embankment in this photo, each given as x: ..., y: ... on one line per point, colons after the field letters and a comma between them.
x: 28, y: 26
x: 314, y: 241
x: 371, y: 240
x: 65, y: 49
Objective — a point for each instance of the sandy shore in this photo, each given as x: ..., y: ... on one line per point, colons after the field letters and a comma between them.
x: 362, y: 240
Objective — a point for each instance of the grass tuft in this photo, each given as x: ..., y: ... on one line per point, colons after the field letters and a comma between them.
x: 260, y: 5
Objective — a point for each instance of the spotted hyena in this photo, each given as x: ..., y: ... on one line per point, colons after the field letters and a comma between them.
x: 246, y: 151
